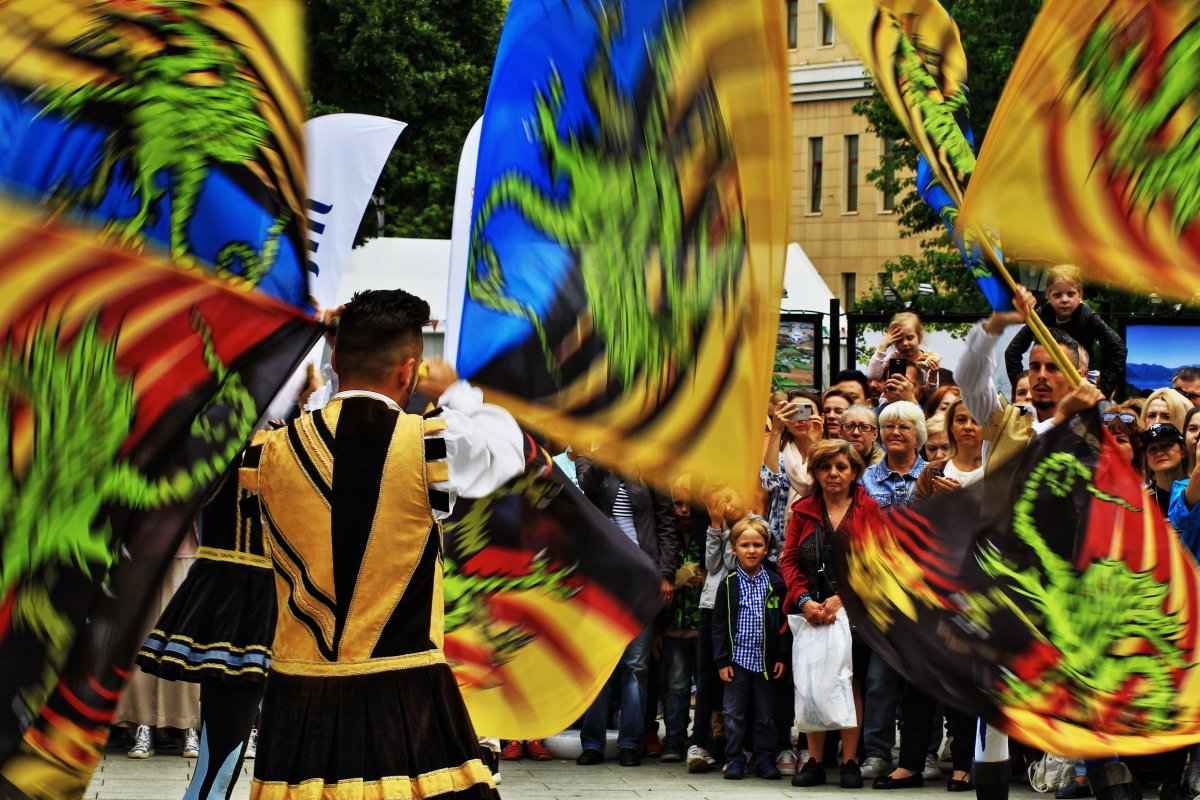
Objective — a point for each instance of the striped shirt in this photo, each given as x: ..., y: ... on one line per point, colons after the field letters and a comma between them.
x: 622, y: 513
x: 752, y: 602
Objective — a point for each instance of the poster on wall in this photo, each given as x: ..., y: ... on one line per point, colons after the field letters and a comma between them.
x: 797, y: 352
x: 1156, y: 351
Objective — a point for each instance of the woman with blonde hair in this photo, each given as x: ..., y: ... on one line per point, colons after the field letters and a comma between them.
x: 1165, y: 405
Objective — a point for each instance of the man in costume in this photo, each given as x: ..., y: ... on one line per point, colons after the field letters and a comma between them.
x: 1008, y: 429
x: 360, y: 701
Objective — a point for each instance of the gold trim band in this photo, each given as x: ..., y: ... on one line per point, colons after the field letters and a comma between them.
x: 427, y: 784
x: 234, y: 557
x: 369, y: 666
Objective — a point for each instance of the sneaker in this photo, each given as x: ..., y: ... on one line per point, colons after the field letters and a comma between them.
x: 811, y: 774
x: 651, y: 745
x: 767, y: 770
x: 785, y: 762
x: 734, y: 770
x: 699, y: 759
x: 876, y: 767
x: 142, y: 747
x: 251, y: 745
x: 670, y: 755
x: 851, y: 777
x: 537, y: 751
x: 191, y: 743
x: 513, y: 750
x: 932, y: 771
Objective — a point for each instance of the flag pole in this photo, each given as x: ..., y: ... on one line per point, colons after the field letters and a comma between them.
x: 1035, y: 323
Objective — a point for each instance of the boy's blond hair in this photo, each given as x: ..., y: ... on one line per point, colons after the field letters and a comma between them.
x: 752, y: 524
x: 1065, y: 273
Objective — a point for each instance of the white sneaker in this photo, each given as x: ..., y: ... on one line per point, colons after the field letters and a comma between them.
x: 802, y: 756
x: 932, y: 771
x: 251, y: 745
x: 785, y: 762
x: 191, y: 743
x: 143, y: 746
x: 699, y: 759
x: 875, y: 767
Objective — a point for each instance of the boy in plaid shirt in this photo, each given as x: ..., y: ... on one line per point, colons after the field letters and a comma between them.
x: 751, y: 647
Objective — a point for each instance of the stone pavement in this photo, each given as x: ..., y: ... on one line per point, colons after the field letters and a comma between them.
x: 165, y: 777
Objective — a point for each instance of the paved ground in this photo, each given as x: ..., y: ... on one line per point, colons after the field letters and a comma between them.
x: 165, y: 776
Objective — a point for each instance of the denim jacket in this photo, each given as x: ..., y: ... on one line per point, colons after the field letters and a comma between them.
x: 889, y: 488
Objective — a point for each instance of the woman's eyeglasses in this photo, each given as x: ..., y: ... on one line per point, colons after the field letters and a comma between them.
x: 1123, y: 416
x: 865, y: 427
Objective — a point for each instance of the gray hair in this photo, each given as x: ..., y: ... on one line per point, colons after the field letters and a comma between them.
x: 908, y: 412
x: 857, y: 409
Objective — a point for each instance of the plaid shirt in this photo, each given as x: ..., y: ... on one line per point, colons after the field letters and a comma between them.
x: 748, y: 638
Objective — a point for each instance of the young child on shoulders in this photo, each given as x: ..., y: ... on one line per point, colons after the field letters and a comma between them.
x: 1064, y: 308
x: 903, y: 340
x: 751, y: 647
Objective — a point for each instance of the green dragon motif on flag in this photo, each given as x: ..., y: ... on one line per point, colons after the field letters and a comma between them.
x: 1151, y: 139
x: 654, y: 270
x: 189, y: 102
x: 1107, y: 624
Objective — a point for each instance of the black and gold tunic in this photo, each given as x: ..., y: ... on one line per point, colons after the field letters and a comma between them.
x: 360, y: 701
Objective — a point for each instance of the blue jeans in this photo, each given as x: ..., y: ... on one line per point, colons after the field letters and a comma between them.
x: 629, y: 678
x: 679, y: 666
x: 881, y: 696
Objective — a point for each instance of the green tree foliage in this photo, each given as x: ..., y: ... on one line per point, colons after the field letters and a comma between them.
x: 425, y: 62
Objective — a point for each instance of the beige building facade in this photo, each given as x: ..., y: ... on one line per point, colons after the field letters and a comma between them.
x: 845, y: 225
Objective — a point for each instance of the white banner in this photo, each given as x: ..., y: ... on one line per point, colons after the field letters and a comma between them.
x: 460, y: 239
x: 346, y: 153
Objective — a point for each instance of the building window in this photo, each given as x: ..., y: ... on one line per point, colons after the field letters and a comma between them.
x: 849, y: 289
x: 793, y: 23
x: 815, y: 169
x: 852, y: 173
x: 888, y: 202
x: 824, y: 26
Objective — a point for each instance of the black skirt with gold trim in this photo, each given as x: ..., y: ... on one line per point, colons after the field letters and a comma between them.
x: 401, y: 733
x: 219, y: 625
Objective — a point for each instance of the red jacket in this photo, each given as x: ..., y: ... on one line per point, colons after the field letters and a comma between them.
x: 806, y: 513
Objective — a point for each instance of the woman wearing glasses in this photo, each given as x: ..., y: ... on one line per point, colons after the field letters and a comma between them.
x: 1122, y: 422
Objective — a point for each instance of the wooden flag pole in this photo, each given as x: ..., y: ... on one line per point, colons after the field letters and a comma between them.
x: 1040, y: 331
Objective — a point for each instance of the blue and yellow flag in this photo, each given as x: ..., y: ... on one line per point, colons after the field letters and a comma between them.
x: 152, y: 287
x: 1091, y: 155
x: 629, y: 228
x: 914, y: 54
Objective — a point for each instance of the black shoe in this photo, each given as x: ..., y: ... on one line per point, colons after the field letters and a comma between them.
x: 734, y: 770
x: 766, y: 769
x: 1073, y: 791
x: 851, y: 775
x: 1174, y: 791
x: 589, y: 757
x: 811, y: 774
x: 1114, y: 781
x: 914, y: 781
x: 959, y: 786
x: 992, y: 779
x: 629, y: 757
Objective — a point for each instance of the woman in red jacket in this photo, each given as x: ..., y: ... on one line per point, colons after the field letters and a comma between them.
x: 826, y: 516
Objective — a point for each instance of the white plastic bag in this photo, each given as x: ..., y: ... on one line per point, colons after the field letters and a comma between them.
x: 822, y: 672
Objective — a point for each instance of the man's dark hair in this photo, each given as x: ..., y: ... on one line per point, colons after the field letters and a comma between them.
x: 852, y: 375
x: 1066, y: 342
x: 1186, y: 374
x: 377, y: 330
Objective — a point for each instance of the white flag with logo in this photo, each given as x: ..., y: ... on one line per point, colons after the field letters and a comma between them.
x: 346, y: 153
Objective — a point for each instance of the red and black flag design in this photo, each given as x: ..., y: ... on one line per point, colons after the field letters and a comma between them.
x: 1052, y: 599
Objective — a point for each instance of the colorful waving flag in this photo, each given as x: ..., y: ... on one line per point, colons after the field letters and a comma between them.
x: 914, y: 54
x: 1090, y: 157
x: 1052, y: 600
x: 543, y: 593
x: 151, y: 280
x: 629, y: 228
